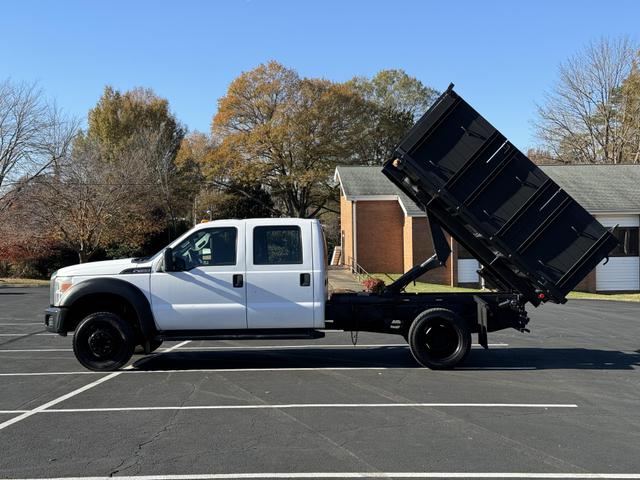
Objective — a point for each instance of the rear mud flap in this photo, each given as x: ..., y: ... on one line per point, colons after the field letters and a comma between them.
x: 482, y: 321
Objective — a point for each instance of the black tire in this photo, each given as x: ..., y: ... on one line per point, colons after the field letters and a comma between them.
x: 153, y: 346
x: 103, y: 342
x: 439, y: 339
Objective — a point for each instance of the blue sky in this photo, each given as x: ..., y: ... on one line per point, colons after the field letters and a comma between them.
x: 501, y: 55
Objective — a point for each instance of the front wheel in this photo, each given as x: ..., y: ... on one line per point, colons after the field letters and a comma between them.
x: 439, y: 339
x: 103, y: 342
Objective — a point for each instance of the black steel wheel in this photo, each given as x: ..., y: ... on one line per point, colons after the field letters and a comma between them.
x: 103, y: 342
x: 153, y: 346
x: 439, y: 339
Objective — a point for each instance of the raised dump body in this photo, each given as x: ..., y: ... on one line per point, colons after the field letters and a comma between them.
x: 529, y: 235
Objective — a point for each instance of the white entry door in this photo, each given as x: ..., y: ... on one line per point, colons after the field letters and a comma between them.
x: 210, y: 290
x: 279, y: 274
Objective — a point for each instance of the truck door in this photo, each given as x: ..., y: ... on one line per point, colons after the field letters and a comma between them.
x: 210, y: 290
x: 279, y: 274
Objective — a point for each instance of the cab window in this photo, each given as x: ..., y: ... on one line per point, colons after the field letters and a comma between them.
x: 208, y: 247
x: 277, y: 245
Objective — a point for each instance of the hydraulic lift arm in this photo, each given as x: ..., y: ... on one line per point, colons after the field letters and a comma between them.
x: 438, y: 259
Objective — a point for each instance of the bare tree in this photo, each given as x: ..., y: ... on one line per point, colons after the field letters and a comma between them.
x: 579, y: 121
x: 629, y: 106
x: 91, y: 203
x: 159, y: 146
x: 34, y: 135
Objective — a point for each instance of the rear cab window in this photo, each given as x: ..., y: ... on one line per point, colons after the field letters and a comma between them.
x: 277, y: 245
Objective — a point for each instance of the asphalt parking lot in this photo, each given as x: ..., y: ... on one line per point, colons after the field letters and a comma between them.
x: 560, y: 402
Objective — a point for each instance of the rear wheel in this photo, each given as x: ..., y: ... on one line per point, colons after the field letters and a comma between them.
x: 103, y: 341
x: 439, y: 339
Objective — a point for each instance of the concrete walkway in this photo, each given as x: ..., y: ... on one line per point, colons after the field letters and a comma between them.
x: 341, y: 280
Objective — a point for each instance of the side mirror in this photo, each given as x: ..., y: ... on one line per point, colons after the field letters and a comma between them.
x: 168, y: 260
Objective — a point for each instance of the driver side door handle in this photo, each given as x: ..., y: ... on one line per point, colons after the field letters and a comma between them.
x: 238, y: 280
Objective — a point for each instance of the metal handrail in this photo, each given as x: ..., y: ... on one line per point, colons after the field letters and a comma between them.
x: 360, y: 272
x: 357, y: 269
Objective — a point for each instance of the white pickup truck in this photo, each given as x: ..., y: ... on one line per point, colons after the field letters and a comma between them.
x: 266, y: 278
x: 221, y: 278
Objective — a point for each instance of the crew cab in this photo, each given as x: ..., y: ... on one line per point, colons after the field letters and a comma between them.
x: 221, y: 279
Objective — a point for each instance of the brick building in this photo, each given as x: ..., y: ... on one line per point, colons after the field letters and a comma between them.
x: 383, y: 231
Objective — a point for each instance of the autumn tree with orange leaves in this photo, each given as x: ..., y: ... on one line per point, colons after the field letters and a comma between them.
x: 288, y: 133
x: 285, y: 132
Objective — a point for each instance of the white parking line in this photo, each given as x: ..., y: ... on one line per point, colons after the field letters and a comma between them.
x: 55, y: 401
x: 244, y: 476
x: 13, y: 318
x: 40, y: 374
x: 254, y: 347
x: 69, y: 395
x: 292, y: 475
x: 496, y: 368
x: 320, y: 345
x: 34, y: 334
x: 232, y: 370
x: 21, y: 323
x: 284, y: 347
x: 201, y: 370
x: 34, y: 350
x: 283, y: 406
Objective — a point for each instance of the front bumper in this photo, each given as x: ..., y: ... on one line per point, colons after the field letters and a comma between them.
x: 54, y: 320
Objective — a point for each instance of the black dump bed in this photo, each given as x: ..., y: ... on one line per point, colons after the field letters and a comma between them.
x: 529, y: 235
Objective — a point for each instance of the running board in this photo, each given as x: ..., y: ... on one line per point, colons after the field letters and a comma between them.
x: 245, y: 334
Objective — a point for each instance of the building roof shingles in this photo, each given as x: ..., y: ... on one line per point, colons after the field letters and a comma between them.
x: 369, y: 181
x: 598, y: 188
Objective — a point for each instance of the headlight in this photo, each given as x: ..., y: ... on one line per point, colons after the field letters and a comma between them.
x: 60, y: 286
x: 52, y: 286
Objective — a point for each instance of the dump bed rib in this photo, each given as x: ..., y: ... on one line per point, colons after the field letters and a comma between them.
x: 529, y: 235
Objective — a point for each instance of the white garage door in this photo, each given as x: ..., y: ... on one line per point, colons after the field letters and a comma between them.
x: 622, y: 272
x: 468, y: 270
